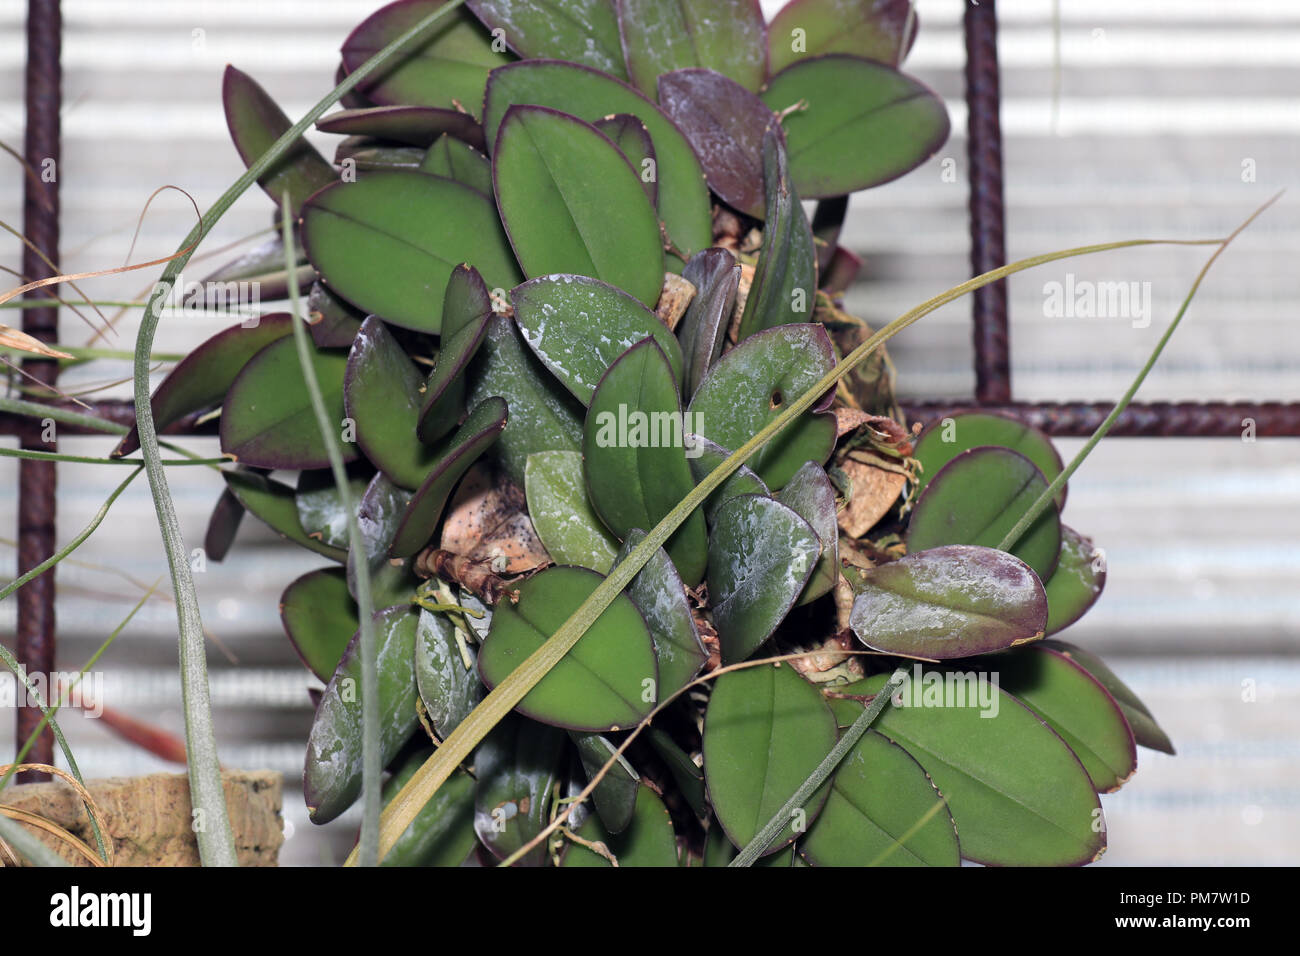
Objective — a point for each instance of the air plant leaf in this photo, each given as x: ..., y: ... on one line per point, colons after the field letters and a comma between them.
x: 708, y: 456
x: 1144, y: 726
x: 1076, y: 583
x: 635, y: 456
x: 388, y: 242
x: 647, y: 840
x: 703, y: 329
x: 319, y: 618
x: 561, y: 513
x: 466, y: 311
x: 332, y: 322
x: 615, y: 796
x: 590, y: 95
x: 448, y: 688
x: 633, y: 140
x: 954, y: 601
x: 976, y: 499
x: 840, y: 143
x: 580, y: 31
x: 201, y: 379
x: 578, y: 327
x: 572, y: 203
x: 765, y: 730
x: 728, y: 36
x: 811, y: 496
x: 750, y: 385
x: 443, y: 832
x: 517, y: 767
x: 450, y: 158
x: 883, y: 30
x: 273, y: 502
x: 320, y: 507
x: 947, y: 438
x: 606, y: 682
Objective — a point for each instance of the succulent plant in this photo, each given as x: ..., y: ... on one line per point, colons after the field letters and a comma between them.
x: 560, y: 270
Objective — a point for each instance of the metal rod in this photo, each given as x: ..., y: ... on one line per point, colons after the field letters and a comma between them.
x: 1241, y: 420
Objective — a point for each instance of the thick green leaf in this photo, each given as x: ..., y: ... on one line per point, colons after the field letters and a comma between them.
x: 413, y: 125
x: 367, y: 154
x: 811, y: 496
x: 616, y: 795
x: 273, y: 502
x: 954, y: 601
x: 864, y: 123
x: 785, y: 279
x: 223, y: 523
x: 255, y: 123
x: 332, y: 322
x: 581, y: 31
x: 765, y: 731
x: 320, y: 507
x: 319, y: 618
x: 648, y: 840
x: 442, y: 834
x: 761, y: 557
x: 749, y: 386
x: 388, y: 242
x: 333, y: 775
x: 1145, y: 729
x: 633, y: 140
x: 561, y: 513
x: 635, y: 457
x: 476, y: 434
x: 728, y: 36
x: 201, y: 379
x: 447, y: 679
x: 543, y: 415
x: 947, y: 438
x: 877, y: 812
x: 379, y: 511
x: 1078, y: 708
x: 977, y: 498
x: 606, y: 682
x: 660, y: 596
x: 517, y: 766
x: 466, y: 311
x: 689, y: 778
x: 1017, y: 793
x: 452, y: 159
x: 718, y: 850
x: 878, y: 30
x: 449, y: 70
x: 578, y: 326
x: 706, y: 456
x: 703, y: 329
x: 590, y: 95
x: 572, y: 203
x: 1076, y: 583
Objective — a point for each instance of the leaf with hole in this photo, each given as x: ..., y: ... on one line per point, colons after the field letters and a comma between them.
x: 615, y: 795
x: 703, y: 329
x: 319, y: 618
x: 517, y: 767
x: 647, y: 840
x: 811, y: 496
x: 728, y: 36
x: 947, y: 438
x: 1076, y: 583
x: 273, y: 503
x: 1144, y: 726
x: 453, y: 159
x: 412, y: 125
x: 445, y: 673
x: 883, y: 30
x: 580, y: 31
x: 561, y: 513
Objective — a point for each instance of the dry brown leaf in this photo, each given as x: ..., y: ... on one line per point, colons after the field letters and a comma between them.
x: 15, y: 339
x: 874, y: 492
x: 488, y: 521
x: 674, y: 299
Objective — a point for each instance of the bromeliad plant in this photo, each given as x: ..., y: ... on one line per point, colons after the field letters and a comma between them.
x: 559, y: 272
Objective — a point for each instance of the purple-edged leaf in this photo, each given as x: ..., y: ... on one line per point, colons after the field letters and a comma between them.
x: 827, y: 221
x: 388, y: 242
x: 728, y: 36
x: 255, y: 123
x: 267, y: 419
x: 451, y: 159
x: 864, y: 123
x: 750, y: 385
x: 382, y: 395
x: 954, y: 601
x: 369, y: 155
x: 725, y: 124
x: 945, y: 439
x: 1076, y: 583
x: 579, y: 326
x: 881, y: 30
x: 379, y: 512
x: 703, y: 329
x: 448, y: 71
x: 572, y: 203
x: 413, y: 125
x: 705, y: 457
x: 633, y: 140
x: 516, y: 769
x: 811, y: 496
x: 319, y: 618
x: 332, y: 322
x: 1143, y: 723
x: 320, y: 506
x: 351, y: 100
x: 480, y: 429
x: 580, y: 31
x: 466, y: 311
x: 222, y: 525
x: 761, y: 557
x: 273, y: 503
x: 201, y: 380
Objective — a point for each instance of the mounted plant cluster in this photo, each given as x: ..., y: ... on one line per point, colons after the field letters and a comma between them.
x: 562, y: 271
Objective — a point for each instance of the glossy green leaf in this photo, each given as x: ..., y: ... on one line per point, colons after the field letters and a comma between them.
x: 332, y: 322
x: 874, y: 815
x: 765, y: 731
x: 606, y: 682
x: 201, y: 379
x: 476, y: 434
x: 543, y: 415
x: 1076, y: 583
x: 332, y: 781
x: 578, y: 327
x: 648, y: 840
x: 1144, y: 726
x: 864, y: 123
x: 635, y: 458
x: 1017, y: 793
x: 785, y: 279
x: 882, y: 30
x: 388, y: 242
x: 445, y: 674
x: 1078, y: 708
x: 517, y: 766
x: 413, y: 125
x: 319, y: 618
x: 688, y: 777
x: 748, y: 387
x: 947, y: 438
x: 976, y: 499
x: 580, y: 31
x: 572, y: 203
x: 561, y: 513
x: 616, y: 795
x: 448, y: 71
x: 379, y: 511
x: 452, y: 159
x: 366, y: 154
x: 255, y: 123
x: 811, y: 496
x: 590, y: 95
x: 703, y: 329
x: 442, y: 834
x: 761, y: 557
x: 728, y: 36
x: 320, y: 507
x: 953, y: 601
x: 660, y: 596
x: 633, y: 140
x: 273, y: 503
x: 706, y: 456
x: 466, y: 311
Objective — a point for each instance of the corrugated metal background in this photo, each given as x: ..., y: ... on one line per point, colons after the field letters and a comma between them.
x: 1162, y: 107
